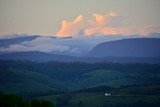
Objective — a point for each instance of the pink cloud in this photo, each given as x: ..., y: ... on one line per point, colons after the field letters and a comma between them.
x: 101, y: 24
x: 73, y: 27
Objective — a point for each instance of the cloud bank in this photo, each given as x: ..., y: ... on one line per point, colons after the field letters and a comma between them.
x: 42, y: 44
x: 102, y: 24
x: 69, y: 46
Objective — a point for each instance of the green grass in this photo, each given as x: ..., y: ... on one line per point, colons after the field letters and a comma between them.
x: 98, y: 99
x: 28, y: 77
x: 108, y: 77
x: 28, y: 81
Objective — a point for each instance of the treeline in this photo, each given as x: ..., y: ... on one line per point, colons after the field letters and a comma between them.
x: 101, y: 88
x: 12, y: 100
x: 73, y: 70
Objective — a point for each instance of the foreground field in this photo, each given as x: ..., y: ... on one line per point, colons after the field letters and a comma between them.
x: 123, y: 97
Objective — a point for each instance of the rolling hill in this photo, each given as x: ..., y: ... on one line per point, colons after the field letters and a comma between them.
x: 24, y: 77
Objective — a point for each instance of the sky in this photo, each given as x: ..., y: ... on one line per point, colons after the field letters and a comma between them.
x: 70, y: 17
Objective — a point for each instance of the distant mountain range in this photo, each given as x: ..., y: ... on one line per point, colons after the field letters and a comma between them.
x: 46, y: 57
x: 8, y: 42
x: 82, y: 49
x: 77, y: 45
x: 36, y: 56
x: 137, y: 47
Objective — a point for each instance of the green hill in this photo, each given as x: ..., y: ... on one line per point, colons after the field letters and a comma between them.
x: 25, y: 77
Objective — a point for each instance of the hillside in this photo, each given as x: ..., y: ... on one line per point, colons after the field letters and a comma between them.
x: 138, y: 47
x: 46, y: 57
x: 35, y: 56
x: 25, y: 77
x: 130, y: 96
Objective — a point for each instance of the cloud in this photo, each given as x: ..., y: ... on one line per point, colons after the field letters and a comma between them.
x: 70, y: 28
x: 102, y: 24
x: 12, y: 36
x: 77, y: 45
x: 42, y: 44
x: 42, y: 48
x: 81, y: 24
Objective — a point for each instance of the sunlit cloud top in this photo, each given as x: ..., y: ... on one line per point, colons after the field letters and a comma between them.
x: 102, y: 24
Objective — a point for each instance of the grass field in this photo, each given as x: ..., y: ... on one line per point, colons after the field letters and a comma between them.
x: 122, y: 98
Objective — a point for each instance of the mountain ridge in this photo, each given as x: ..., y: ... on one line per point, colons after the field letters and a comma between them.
x: 135, y: 47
